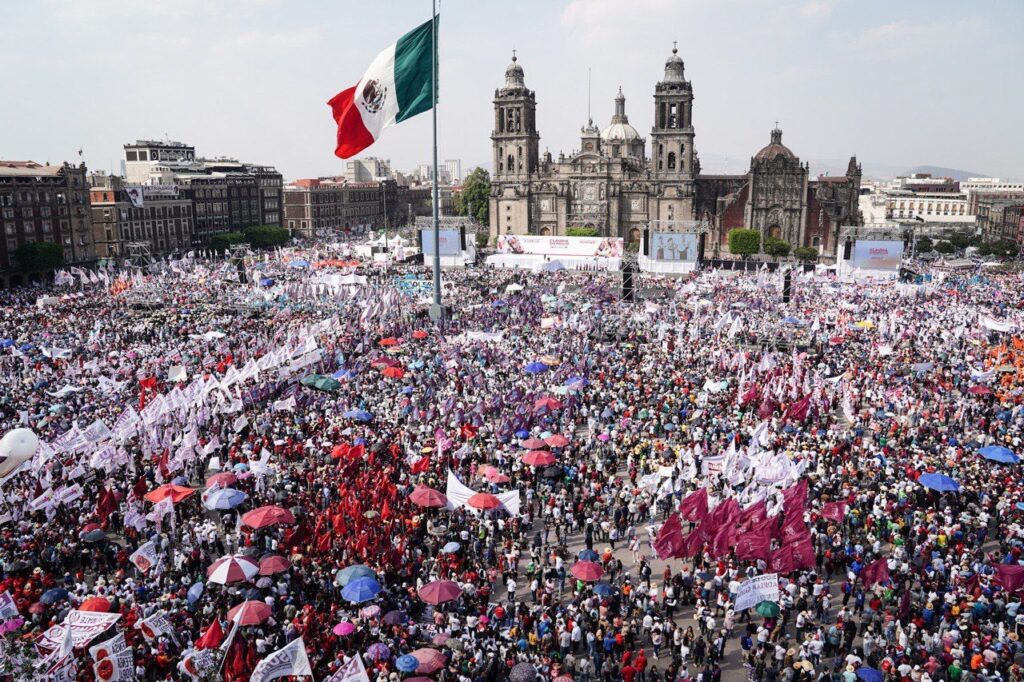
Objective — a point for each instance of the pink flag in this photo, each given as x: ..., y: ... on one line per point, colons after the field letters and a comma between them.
x: 836, y: 511
x: 781, y: 560
x: 670, y: 543
x: 694, y: 506
x: 795, y: 498
x: 754, y: 544
x: 794, y: 529
x: 803, y: 553
x: 754, y: 516
x: 878, y: 572
x: 1010, y: 576
x: 722, y: 541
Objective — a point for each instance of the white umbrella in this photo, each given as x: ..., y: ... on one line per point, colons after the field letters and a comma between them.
x: 232, y: 569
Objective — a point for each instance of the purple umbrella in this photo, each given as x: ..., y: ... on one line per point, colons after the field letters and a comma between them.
x: 378, y: 652
x: 395, y: 617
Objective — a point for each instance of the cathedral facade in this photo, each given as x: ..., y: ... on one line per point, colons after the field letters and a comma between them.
x: 611, y: 185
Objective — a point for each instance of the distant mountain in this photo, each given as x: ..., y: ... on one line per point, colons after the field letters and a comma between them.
x: 941, y: 172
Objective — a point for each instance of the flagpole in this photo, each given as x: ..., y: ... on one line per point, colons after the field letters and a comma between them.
x: 436, y: 310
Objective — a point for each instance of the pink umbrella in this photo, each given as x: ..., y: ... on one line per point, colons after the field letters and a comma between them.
x: 440, y: 638
x: 538, y: 458
x: 232, y: 569
x: 249, y: 613
x: 557, y: 441
x: 587, y: 571
x: 533, y: 444
x: 431, y: 660
x: 427, y: 497
x: 344, y: 629
x: 603, y: 437
x: 369, y: 611
x: 440, y: 591
x: 225, y: 479
x: 269, y: 565
x: 267, y: 516
x: 979, y: 390
x: 483, y: 501
x: 547, y: 403
x: 496, y: 476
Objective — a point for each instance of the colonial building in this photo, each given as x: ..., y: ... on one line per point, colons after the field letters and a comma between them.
x: 611, y: 185
x: 160, y: 218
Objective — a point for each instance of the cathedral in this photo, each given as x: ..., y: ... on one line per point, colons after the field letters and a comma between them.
x: 611, y: 185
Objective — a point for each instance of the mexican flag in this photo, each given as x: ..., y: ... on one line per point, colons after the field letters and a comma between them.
x: 396, y: 87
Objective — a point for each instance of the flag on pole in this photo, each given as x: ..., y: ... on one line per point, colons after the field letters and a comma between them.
x: 396, y: 86
x: 291, y: 661
x: 353, y: 671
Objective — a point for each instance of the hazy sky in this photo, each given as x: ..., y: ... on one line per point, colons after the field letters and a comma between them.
x: 899, y: 83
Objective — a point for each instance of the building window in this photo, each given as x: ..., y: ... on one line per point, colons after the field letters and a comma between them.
x: 671, y: 160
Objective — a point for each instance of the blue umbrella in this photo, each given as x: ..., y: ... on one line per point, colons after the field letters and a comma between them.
x: 588, y: 555
x: 53, y: 596
x: 343, y: 374
x: 451, y: 548
x: 790, y: 320
x: 939, y: 482
x: 266, y: 282
x: 6, y: 343
x: 406, y: 390
x: 225, y: 498
x: 360, y: 590
x: 522, y: 433
x: 299, y: 263
x: 26, y: 347
x: 498, y: 304
x: 241, y: 466
x: 179, y: 480
x: 358, y: 415
x: 997, y: 453
x: 350, y: 573
x: 195, y: 592
x: 866, y: 674
x: 407, y: 663
x: 576, y: 381
x: 1020, y: 506
x: 536, y: 368
x: 603, y: 589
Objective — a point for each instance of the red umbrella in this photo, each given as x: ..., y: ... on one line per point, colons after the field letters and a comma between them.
x: 385, y: 362
x: 557, y: 441
x: 484, y: 501
x: 495, y: 476
x: 980, y: 390
x: 269, y: 565
x: 249, y: 613
x: 177, y: 493
x: 232, y: 569
x: 533, y: 444
x: 389, y: 341
x: 431, y: 660
x: 539, y: 458
x: 836, y: 340
x: 423, y: 496
x: 393, y: 372
x: 419, y: 334
x: 98, y: 604
x: 267, y: 516
x: 88, y: 527
x: 547, y: 403
x: 587, y: 571
x: 225, y: 479
x: 440, y: 591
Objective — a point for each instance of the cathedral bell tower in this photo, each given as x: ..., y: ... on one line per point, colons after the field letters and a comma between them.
x: 515, y: 140
x: 672, y: 135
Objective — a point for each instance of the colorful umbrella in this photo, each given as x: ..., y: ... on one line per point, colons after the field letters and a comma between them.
x: 269, y: 565
x: 389, y: 341
x: 350, y: 573
x: 268, y: 515
x: 588, y: 555
x: 535, y: 368
x: 419, y: 334
x: 483, y: 501
x: 98, y: 604
x: 321, y: 382
x: 547, y: 403
x: 538, y: 458
x: 378, y: 652
x: 360, y: 590
x: 224, y: 498
x: 393, y: 372
x: 997, y: 453
x: 557, y: 441
x: 430, y: 660
x: 939, y: 482
x: 534, y: 444
x: 587, y: 571
x: 177, y: 493
x: 344, y: 628
x: 423, y: 496
x: 395, y: 617
x: 249, y: 613
x: 767, y: 609
x: 54, y: 595
x: 358, y: 415
x: 232, y: 569
x: 225, y: 479
x: 440, y: 591
x: 407, y: 663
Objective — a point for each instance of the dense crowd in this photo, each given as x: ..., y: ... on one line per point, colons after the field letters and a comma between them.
x: 554, y: 484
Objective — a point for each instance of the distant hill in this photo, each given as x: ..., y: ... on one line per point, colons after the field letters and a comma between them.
x: 941, y: 172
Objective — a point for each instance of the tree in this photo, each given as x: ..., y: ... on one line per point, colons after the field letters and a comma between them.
x: 945, y: 247
x: 776, y: 247
x: 266, y: 236
x: 924, y: 245
x: 744, y: 242
x: 223, y: 240
x: 806, y: 254
x: 474, y: 199
x: 581, y: 232
x: 1005, y: 248
x: 961, y: 241
x: 39, y: 256
x: 482, y: 237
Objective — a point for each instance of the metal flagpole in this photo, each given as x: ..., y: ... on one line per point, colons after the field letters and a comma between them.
x: 436, y: 310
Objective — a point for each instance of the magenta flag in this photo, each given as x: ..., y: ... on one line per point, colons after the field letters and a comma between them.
x: 755, y: 544
x: 836, y: 511
x: 670, y: 543
x: 878, y: 572
x: 781, y: 560
x: 803, y: 553
x: 726, y: 513
x: 795, y: 498
x: 754, y: 516
x: 794, y: 530
x: 694, y: 506
x: 722, y: 541
x: 1010, y: 576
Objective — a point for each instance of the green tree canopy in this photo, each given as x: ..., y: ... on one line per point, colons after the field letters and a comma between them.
x: 266, y: 236
x: 807, y: 254
x: 581, y: 232
x: 39, y: 256
x: 776, y: 247
x: 944, y: 247
x: 473, y: 200
x: 744, y: 242
x: 925, y: 244
x: 223, y: 240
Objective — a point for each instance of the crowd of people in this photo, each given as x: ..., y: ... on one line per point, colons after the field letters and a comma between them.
x: 553, y: 484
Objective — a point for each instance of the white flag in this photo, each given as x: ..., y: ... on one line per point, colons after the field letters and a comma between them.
x: 353, y: 671
x: 286, y: 662
x: 145, y: 557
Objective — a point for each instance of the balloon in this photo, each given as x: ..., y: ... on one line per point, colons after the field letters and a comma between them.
x: 17, y: 447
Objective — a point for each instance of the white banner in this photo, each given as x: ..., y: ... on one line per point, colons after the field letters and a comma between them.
x: 609, y: 247
x: 85, y: 626
x: 353, y: 671
x: 145, y: 557
x: 8, y: 609
x: 458, y: 496
x: 286, y: 662
x: 756, y: 590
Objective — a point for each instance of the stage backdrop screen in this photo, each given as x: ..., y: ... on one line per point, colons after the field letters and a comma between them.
x: 674, y: 246
x: 450, y: 241
x: 610, y: 247
x: 877, y: 255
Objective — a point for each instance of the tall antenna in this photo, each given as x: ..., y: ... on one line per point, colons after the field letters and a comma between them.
x: 589, y: 118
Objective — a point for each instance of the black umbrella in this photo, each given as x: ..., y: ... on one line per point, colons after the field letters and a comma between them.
x: 95, y: 535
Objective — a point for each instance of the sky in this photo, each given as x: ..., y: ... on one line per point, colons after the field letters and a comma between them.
x: 898, y: 84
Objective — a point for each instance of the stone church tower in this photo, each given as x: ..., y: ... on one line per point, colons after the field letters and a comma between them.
x: 515, y: 141
x: 673, y: 161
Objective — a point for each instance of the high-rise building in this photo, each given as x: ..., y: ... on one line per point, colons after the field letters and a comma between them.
x: 156, y: 217
x: 43, y: 203
x: 145, y: 159
x: 454, y: 169
x: 368, y: 169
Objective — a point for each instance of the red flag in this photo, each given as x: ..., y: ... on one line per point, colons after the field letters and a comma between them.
x: 1010, y: 576
x: 781, y: 560
x: 694, y: 541
x: 754, y: 516
x: 755, y: 544
x: 726, y: 513
x: 340, y: 451
x: 722, y: 541
x: 357, y: 451
x: 212, y: 638
x: 836, y: 511
x: 878, y: 572
x: 670, y: 543
x: 794, y: 529
x: 694, y: 506
x: 107, y: 504
x: 323, y: 542
x: 795, y: 498
x: 803, y: 553
x: 468, y: 431
x: 420, y: 465
x: 798, y: 410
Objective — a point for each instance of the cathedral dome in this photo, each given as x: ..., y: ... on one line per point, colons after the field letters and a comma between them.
x: 514, y: 77
x: 620, y: 130
x: 674, y: 69
x: 775, y: 148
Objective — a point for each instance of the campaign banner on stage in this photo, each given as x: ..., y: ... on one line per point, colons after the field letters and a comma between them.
x: 674, y: 247
x: 877, y: 255
x: 609, y: 247
x: 450, y: 242
x: 756, y: 590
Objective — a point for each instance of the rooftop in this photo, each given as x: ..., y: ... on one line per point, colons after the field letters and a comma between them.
x: 28, y: 168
